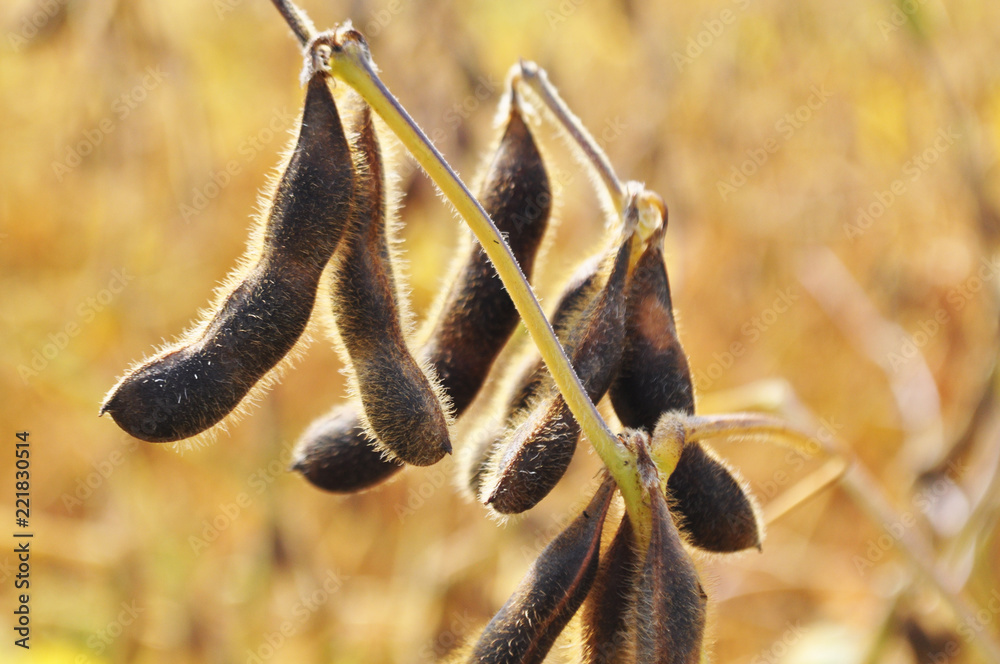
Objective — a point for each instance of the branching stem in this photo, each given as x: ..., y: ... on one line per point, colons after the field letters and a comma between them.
x: 352, y: 63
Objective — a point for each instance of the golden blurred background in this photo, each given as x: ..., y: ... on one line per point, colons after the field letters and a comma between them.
x: 830, y: 170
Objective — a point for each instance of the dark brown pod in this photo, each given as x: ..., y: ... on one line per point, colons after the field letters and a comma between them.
x: 654, y: 378
x: 582, y: 287
x: 192, y: 385
x: 606, y: 609
x: 339, y: 465
x: 669, y: 605
x: 534, y: 455
x: 477, y: 315
x: 713, y: 509
x: 401, y: 407
x: 524, y: 630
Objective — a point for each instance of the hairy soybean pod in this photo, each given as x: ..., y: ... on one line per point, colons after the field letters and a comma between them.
x: 400, y: 405
x: 478, y: 316
x: 535, y: 454
x: 606, y: 609
x: 669, y: 605
x: 345, y: 463
x: 475, y: 320
x: 524, y: 630
x: 190, y: 386
x: 654, y: 378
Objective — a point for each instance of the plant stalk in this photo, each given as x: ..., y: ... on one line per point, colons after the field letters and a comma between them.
x: 351, y: 62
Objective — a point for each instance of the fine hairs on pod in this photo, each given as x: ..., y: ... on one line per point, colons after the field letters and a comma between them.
x: 472, y: 323
x: 606, y: 631
x: 669, y: 605
x: 654, y: 378
x: 525, y: 628
x: 402, y: 410
x: 535, y: 452
x: 261, y: 312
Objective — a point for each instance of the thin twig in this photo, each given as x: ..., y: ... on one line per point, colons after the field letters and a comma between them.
x: 535, y: 79
x: 823, y: 477
x: 297, y: 20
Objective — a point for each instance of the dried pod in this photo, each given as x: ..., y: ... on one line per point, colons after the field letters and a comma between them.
x: 340, y: 464
x: 192, y: 385
x: 582, y: 287
x: 668, y: 608
x: 713, y: 509
x: 606, y: 609
x: 525, y: 628
x: 534, y: 455
x: 654, y: 378
x: 476, y: 316
x: 401, y: 408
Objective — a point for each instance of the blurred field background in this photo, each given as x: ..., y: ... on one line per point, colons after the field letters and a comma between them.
x: 830, y: 170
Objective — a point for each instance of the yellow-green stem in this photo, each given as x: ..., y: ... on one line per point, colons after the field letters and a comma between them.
x: 351, y: 63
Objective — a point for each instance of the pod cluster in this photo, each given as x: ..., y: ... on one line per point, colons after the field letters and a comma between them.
x: 640, y: 599
x: 326, y: 241
x: 326, y: 232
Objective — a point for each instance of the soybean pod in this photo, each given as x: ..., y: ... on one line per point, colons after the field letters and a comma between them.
x: 190, y: 386
x: 669, y: 606
x: 474, y: 321
x: 401, y: 408
x: 654, y: 378
x: 524, y: 629
x: 606, y: 610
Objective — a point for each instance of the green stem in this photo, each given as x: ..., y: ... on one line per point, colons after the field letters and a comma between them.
x: 351, y: 62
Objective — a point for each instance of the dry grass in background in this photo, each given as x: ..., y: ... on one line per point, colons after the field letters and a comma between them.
x: 137, y: 134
